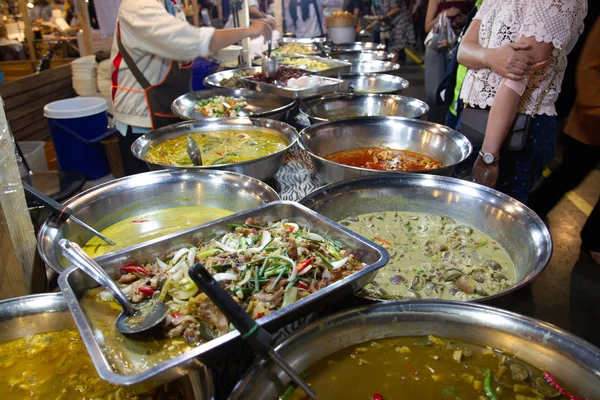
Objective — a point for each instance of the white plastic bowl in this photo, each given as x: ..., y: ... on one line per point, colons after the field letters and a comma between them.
x: 228, y: 54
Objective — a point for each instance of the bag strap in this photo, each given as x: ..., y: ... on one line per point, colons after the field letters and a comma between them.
x: 137, y: 74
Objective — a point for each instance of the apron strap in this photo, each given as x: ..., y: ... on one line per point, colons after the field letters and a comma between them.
x: 137, y: 74
x: 318, y: 14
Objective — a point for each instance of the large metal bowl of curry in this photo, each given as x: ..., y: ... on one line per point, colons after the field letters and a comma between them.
x: 48, y: 313
x: 152, y: 204
x: 262, y: 167
x: 572, y: 361
x: 507, y: 222
x: 440, y: 142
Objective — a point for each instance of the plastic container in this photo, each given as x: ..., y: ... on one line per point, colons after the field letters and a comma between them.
x: 201, y: 68
x: 342, y: 34
x: 77, y: 126
x: 34, y: 154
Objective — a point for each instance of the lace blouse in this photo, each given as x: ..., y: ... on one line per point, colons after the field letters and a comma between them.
x: 559, y: 22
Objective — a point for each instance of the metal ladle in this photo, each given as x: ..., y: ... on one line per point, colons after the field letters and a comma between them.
x: 131, y: 321
x: 254, y: 334
x: 270, y: 65
x: 193, y: 151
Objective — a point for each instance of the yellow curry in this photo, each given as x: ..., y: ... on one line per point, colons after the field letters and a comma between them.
x: 151, y: 225
x: 218, y: 148
x: 56, y: 365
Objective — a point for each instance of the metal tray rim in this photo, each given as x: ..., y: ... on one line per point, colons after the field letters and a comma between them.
x: 98, y: 357
x: 334, y: 86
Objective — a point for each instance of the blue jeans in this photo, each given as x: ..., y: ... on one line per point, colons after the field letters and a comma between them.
x: 520, y: 170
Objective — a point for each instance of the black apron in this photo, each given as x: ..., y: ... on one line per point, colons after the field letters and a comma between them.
x: 159, y: 97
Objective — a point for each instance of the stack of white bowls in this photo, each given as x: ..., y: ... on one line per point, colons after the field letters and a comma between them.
x: 104, y: 77
x: 84, y: 76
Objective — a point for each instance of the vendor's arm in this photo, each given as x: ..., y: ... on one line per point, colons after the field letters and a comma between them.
x: 155, y: 31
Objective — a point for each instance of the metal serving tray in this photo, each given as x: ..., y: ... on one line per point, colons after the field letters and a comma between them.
x: 336, y: 67
x: 215, y: 79
x: 333, y: 85
x: 303, y: 40
x: 74, y: 284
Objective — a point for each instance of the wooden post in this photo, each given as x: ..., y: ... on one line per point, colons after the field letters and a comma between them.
x: 28, y: 32
x: 244, y: 23
x: 196, y: 12
x: 17, y: 247
x: 278, y: 11
x: 84, y: 17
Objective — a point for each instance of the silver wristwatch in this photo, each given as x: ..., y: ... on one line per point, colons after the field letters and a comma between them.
x: 488, y: 158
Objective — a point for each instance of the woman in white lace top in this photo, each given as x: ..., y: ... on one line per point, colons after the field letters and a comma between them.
x: 516, y: 52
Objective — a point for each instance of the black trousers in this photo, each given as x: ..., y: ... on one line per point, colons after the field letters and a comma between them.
x: 131, y: 165
x: 578, y: 160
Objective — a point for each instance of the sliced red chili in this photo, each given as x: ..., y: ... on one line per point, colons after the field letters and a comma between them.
x: 377, y: 396
x: 260, y: 315
x: 414, y: 371
x: 133, y: 269
x: 304, y: 263
x: 304, y: 286
x: 176, y: 315
x: 147, y: 290
x: 139, y: 221
x: 383, y: 242
x: 554, y: 383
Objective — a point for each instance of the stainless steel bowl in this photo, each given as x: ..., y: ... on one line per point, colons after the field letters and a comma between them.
x: 372, y: 67
x: 111, y: 202
x: 440, y: 142
x: 362, y: 55
x: 289, y: 39
x: 357, y: 46
x: 370, y: 83
x: 30, y: 315
x: 341, y: 105
x: 260, y: 105
x: 544, y: 346
x: 215, y: 79
x: 515, y: 227
x: 260, y: 168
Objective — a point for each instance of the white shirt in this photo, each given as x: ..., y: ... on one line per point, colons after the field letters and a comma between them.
x: 559, y: 22
x: 309, y: 28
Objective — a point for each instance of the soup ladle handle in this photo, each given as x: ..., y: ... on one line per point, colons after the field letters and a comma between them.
x: 77, y: 256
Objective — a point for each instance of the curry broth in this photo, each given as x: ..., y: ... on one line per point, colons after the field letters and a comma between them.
x: 218, y: 147
x: 151, y: 225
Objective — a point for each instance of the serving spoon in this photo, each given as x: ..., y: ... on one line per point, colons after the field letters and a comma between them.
x: 270, y: 65
x: 254, y: 334
x: 132, y: 320
x: 193, y: 151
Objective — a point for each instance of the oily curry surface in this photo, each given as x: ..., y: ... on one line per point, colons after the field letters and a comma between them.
x: 218, y: 147
x: 151, y: 225
x: 424, y: 368
x: 385, y: 159
x: 56, y: 365
x: 433, y: 256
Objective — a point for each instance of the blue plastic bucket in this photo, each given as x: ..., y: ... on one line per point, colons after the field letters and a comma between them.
x: 77, y: 126
x: 201, y: 68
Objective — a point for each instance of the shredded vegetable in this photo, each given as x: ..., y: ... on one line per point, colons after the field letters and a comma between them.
x: 221, y: 106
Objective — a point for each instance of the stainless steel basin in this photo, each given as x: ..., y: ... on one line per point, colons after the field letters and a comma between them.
x: 373, y: 83
x: 511, y: 224
x: 357, y: 46
x: 362, y: 55
x: 260, y: 168
x: 440, y: 142
x: 568, y: 358
x: 341, y: 105
x: 111, y: 202
x: 30, y: 315
x: 260, y: 105
x: 216, y: 79
x: 373, y: 67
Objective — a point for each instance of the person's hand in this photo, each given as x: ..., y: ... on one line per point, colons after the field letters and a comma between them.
x: 380, y: 18
x: 485, y: 174
x: 452, y: 12
x: 262, y: 27
x: 509, y: 62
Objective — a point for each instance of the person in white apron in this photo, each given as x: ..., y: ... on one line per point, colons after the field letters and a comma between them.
x: 151, y: 57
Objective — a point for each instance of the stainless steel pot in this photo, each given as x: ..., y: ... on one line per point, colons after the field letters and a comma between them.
x: 373, y: 83
x: 373, y: 67
x: 260, y: 105
x: 111, y: 202
x: 341, y: 105
x: 440, y: 142
x: 545, y: 346
x: 261, y: 168
x: 362, y: 55
x: 216, y: 79
x: 515, y: 227
x: 30, y: 315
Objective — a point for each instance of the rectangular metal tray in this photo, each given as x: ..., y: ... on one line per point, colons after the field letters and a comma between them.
x: 336, y: 67
x: 74, y: 284
x: 333, y: 85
